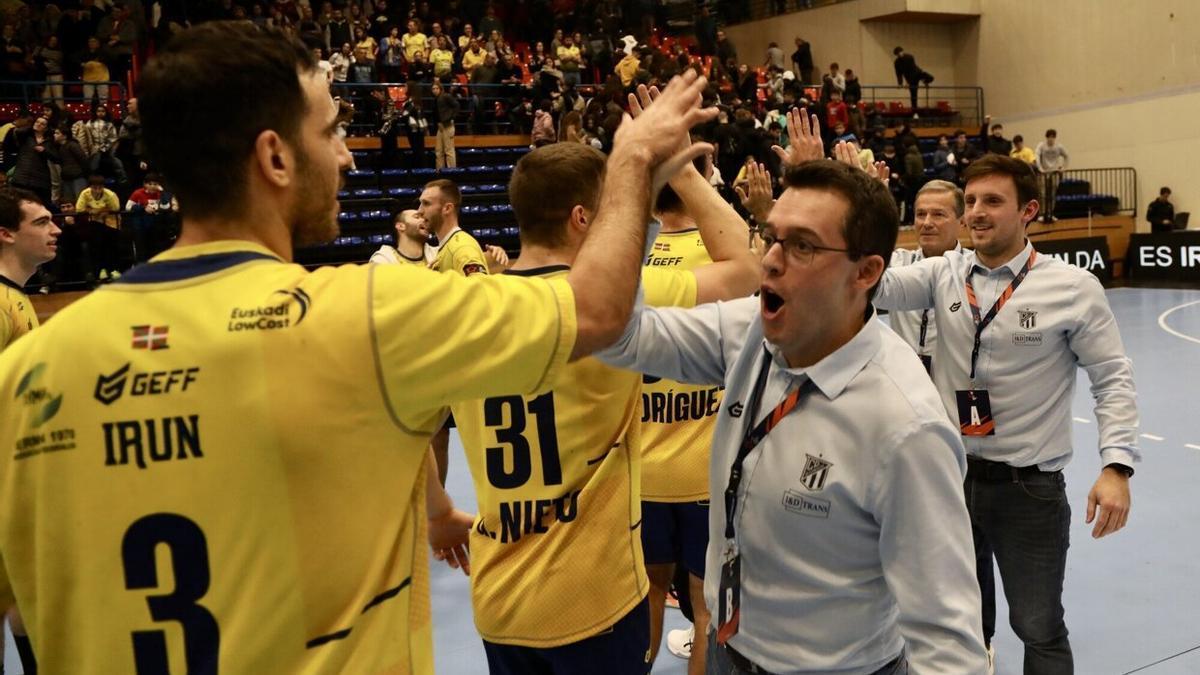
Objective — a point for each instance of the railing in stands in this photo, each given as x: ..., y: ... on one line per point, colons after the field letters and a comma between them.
x: 483, y: 108
x: 936, y: 105
x: 753, y: 10
x: 1104, y: 191
x: 71, y: 94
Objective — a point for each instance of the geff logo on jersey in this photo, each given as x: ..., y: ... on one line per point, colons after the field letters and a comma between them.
x: 110, y: 388
x: 278, y: 313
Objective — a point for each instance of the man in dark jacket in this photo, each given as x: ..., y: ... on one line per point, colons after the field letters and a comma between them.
x: 802, y: 61
x: 995, y: 142
x: 908, y: 71
x: 447, y: 109
x: 1161, y: 213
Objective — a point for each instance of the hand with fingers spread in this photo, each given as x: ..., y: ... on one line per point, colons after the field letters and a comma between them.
x: 1108, y: 503
x: 449, y: 536
x: 846, y: 153
x: 804, y: 139
x: 756, y: 194
x: 646, y: 101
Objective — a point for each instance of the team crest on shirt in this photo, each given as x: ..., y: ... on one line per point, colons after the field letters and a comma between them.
x: 1027, y: 318
x: 816, y: 470
x: 662, y: 246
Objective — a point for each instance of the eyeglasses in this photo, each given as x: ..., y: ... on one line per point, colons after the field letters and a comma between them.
x: 797, y: 250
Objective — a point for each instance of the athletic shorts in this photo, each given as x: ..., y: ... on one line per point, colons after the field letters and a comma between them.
x: 624, y: 648
x: 675, y: 533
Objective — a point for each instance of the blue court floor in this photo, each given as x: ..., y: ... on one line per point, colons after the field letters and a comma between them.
x: 1132, y: 599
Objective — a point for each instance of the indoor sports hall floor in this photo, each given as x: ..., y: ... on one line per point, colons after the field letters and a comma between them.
x: 1133, y: 599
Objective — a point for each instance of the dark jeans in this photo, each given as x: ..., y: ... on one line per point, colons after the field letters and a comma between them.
x: 1024, y: 517
x: 1050, y: 194
x: 719, y: 662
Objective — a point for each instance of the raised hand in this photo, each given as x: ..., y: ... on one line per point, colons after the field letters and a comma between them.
x: 804, y: 138
x: 658, y: 123
x: 757, y: 196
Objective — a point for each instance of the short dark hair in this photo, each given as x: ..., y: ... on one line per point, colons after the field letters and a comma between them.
x: 449, y: 190
x: 897, y: 50
x: 959, y: 132
x: 668, y: 201
x: 1020, y: 172
x: 997, y: 126
x: 10, y: 206
x: 189, y: 130
x: 872, y: 221
x: 96, y: 179
x: 1051, y: 132
x: 548, y: 183
x: 1018, y: 139
x: 152, y: 177
x: 1164, y: 191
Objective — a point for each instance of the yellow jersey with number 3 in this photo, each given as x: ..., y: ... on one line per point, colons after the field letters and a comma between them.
x: 17, y: 315
x: 233, y: 476
x: 677, y: 419
x: 460, y: 253
x: 556, y: 553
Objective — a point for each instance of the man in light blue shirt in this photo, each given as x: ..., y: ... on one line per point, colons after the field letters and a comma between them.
x: 1013, y: 327
x: 839, y: 542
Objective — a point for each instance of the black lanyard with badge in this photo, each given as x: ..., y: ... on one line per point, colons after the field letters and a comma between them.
x: 926, y: 359
x: 730, y: 589
x: 974, y: 405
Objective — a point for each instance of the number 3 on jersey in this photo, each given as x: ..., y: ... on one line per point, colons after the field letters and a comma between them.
x: 507, y: 415
x: 189, y: 565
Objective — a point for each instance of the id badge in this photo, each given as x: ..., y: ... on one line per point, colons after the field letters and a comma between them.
x: 729, y: 599
x: 975, y: 413
x: 927, y: 361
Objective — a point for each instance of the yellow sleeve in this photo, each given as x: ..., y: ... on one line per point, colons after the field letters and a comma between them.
x: 6, y: 329
x: 666, y: 287
x: 468, y: 260
x: 111, y: 201
x: 81, y: 204
x: 442, y: 338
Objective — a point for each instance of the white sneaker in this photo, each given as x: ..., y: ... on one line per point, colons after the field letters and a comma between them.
x: 991, y: 659
x: 679, y: 642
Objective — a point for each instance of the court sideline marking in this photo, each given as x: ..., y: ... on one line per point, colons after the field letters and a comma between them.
x: 1162, y: 321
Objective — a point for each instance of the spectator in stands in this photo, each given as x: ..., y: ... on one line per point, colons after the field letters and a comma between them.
x: 412, y: 116
x: 414, y: 40
x: 48, y: 59
x: 964, y: 152
x: 1052, y: 160
x: 119, y: 35
x: 836, y: 111
x: 836, y: 76
x: 490, y: 22
x: 391, y: 54
x: 436, y: 33
x: 706, y: 31
x: 341, y: 61
x: 556, y: 41
x: 100, y: 143
x: 543, y: 126
x: 852, y: 91
x: 802, y: 61
x: 725, y: 48
x: 995, y: 142
x: 747, y: 85
x: 908, y: 71
x: 383, y: 22
x: 95, y: 62
x: 914, y: 177
x: 570, y: 60
x: 365, y: 45
x: 362, y: 69
x: 1023, y: 152
x: 774, y: 57
x: 73, y: 164
x: 464, y: 40
x: 539, y: 58
x: 35, y: 151
x: 943, y: 161
x: 149, y: 217
x: 1161, y: 213
x: 419, y: 70
x: 446, y: 106
x: 337, y: 32
x: 474, y: 57
x: 600, y: 50
x: 102, y: 209
x: 627, y: 68
x: 442, y: 58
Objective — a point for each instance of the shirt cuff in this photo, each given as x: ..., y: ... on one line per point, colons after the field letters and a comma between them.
x: 1117, y: 456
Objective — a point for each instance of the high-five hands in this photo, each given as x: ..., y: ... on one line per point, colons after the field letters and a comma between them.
x: 804, y: 139
x: 656, y: 128
x: 846, y: 153
x: 756, y: 194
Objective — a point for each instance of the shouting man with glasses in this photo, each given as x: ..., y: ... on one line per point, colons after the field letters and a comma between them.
x: 838, y: 540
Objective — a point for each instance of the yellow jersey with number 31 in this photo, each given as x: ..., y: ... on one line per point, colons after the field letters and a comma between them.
x: 233, y: 476
x: 677, y: 419
x: 556, y: 552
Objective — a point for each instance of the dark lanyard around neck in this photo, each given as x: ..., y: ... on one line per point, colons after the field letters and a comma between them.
x: 980, y: 324
x: 754, y: 436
